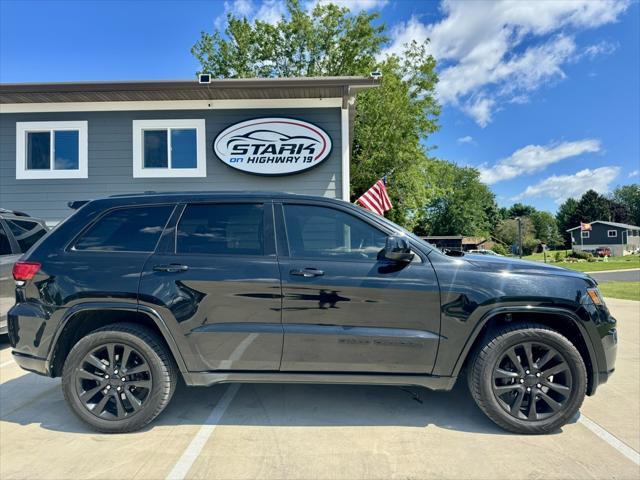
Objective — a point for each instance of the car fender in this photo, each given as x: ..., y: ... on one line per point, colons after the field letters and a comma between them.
x: 120, y: 306
x: 529, y: 310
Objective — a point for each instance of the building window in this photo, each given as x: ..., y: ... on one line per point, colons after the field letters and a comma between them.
x: 612, y: 233
x: 585, y: 234
x: 51, y: 150
x: 169, y: 148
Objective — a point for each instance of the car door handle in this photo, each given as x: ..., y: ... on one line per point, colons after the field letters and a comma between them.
x: 307, y: 272
x: 172, y: 267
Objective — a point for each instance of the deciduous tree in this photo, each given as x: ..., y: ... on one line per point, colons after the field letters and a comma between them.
x: 391, y: 122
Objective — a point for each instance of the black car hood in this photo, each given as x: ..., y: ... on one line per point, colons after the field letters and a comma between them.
x: 514, y: 265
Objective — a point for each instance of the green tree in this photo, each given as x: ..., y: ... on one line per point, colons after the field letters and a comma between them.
x: 592, y: 206
x: 507, y: 232
x: 464, y: 206
x: 391, y: 122
x: 629, y: 197
x: 520, y: 210
x: 545, y: 228
x: 567, y: 217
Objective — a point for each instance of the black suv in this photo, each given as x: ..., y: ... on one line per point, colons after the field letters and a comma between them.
x: 132, y: 291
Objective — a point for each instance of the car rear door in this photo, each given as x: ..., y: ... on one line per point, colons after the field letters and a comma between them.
x: 215, y: 280
x: 343, y: 309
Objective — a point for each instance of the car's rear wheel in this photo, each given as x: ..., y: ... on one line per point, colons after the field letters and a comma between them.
x: 119, y: 378
x: 528, y: 378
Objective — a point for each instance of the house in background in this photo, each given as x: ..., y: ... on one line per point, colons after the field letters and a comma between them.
x: 460, y: 243
x: 621, y: 238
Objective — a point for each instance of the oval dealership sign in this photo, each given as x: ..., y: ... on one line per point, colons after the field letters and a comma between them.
x: 272, y: 146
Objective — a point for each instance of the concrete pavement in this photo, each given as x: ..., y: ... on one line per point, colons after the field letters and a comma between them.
x: 320, y: 431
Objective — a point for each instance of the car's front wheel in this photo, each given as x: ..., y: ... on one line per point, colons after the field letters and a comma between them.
x: 528, y: 378
x: 119, y: 378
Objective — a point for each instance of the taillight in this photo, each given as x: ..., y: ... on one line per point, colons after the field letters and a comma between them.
x: 23, y: 271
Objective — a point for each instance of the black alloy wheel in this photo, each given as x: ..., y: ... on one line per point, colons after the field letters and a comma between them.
x: 113, y: 381
x: 120, y: 377
x: 532, y: 381
x: 528, y: 378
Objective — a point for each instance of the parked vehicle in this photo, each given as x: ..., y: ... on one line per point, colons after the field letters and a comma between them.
x: 133, y: 291
x: 484, y: 252
x: 603, y: 252
x: 18, y: 232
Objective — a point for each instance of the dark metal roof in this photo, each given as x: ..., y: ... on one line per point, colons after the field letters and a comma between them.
x: 611, y: 224
x: 218, y: 89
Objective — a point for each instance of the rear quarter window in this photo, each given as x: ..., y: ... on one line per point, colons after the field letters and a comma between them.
x: 134, y: 229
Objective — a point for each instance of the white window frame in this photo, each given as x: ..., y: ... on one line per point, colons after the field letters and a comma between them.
x: 583, y: 232
x: 139, y: 126
x: 615, y: 234
x: 23, y: 128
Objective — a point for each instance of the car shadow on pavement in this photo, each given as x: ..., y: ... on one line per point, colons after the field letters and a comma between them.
x: 32, y: 399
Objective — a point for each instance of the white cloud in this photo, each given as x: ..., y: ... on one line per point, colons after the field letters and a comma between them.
x: 535, y: 158
x: 601, y: 48
x: 479, y: 46
x: 356, y: 5
x: 466, y: 139
x: 480, y: 110
x: 635, y: 173
x: 271, y: 11
x: 561, y: 187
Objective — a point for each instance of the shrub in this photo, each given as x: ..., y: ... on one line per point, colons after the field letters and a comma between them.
x: 582, y: 255
x: 557, y: 257
x: 499, y: 248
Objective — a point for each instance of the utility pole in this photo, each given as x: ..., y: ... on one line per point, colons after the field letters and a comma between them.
x: 519, y: 237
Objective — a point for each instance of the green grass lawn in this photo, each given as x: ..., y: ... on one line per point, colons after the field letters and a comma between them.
x: 624, y: 290
x: 614, y: 263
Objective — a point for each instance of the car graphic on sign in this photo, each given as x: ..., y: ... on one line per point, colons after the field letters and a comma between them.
x: 272, y: 146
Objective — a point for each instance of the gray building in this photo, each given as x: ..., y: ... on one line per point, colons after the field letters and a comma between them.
x: 77, y: 141
x: 621, y: 238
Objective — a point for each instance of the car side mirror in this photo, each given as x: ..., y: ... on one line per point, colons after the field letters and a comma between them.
x: 396, y: 249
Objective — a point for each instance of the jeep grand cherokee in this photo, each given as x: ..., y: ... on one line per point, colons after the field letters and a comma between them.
x: 132, y: 291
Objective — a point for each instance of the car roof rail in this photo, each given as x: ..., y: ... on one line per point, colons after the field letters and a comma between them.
x: 17, y: 213
x: 76, y: 204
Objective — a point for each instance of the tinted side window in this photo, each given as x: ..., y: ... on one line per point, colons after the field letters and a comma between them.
x: 320, y: 232
x: 230, y: 229
x: 26, y: 232
x: 5, y: 246
x: 134, y: 229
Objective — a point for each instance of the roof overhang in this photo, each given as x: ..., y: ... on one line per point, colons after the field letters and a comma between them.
x: 221, y: 89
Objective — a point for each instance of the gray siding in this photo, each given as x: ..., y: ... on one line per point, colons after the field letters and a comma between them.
x: 111, y: 162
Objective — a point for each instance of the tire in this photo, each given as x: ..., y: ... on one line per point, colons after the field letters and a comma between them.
x: 557, y: 378
x: 119, y: 378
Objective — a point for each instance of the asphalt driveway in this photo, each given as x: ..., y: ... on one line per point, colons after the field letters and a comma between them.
x: 617, y: 276
x: 322, y: 431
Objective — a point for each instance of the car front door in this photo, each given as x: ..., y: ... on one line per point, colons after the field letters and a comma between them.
x: 343, y: 309
x: 215, y: 280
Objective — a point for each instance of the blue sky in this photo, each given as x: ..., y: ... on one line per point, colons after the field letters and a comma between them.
x: 543, y: 98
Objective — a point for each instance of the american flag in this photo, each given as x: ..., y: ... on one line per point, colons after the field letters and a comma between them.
x: 376, y: 198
